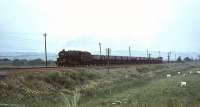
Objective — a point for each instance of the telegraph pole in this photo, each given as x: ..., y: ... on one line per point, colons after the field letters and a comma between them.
x: 108, y: 52
x: 100, y: 48
x: 169, y: 55
x: 175, y: 57
x: 129, y: 51
x: 158, y: 53
x: 45, y: 40
x: 147, y: 53
x: 150, y: 56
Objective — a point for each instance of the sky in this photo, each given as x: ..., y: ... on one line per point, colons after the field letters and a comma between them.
x: 158, y: 25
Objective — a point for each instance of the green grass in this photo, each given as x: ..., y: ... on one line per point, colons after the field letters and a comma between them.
x: 131, y: 86
x: 163, y: 91
x: 42, y: 88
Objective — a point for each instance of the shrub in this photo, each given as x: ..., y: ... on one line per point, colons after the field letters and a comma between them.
x: 36, y: 62
x: 142, y: 69
x: 17, y: 62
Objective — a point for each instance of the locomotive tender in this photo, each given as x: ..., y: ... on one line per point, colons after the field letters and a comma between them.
x: 81, y: 58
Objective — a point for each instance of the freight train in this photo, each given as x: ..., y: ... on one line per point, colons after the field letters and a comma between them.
x: 84, y: 58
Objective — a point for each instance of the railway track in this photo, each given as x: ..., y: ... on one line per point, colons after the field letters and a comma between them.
x: 4, y: 71
x: 79, y: 66
x: 55, y: 67
x: 21, y: 68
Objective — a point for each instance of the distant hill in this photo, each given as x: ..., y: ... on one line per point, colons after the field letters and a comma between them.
x: 27, y: 55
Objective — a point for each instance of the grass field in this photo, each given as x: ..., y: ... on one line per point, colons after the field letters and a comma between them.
x: 127, y: 86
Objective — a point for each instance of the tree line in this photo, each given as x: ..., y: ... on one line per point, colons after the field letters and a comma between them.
x: 25, y: 62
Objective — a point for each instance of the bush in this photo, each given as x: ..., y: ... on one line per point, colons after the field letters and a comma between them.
x: 5, y: 59
x: 36, y: 62
x: 179, y: 59
x: 17, y: 62
x: 187, y: 59
x: 143, y: 69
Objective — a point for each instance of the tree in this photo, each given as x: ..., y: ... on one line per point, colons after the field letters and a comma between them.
x: 5, y: 59
x: 187, y: 59
x: 179, y: 59
x: 36, y: 62
x: 18, y: 62
x: 199, y: 57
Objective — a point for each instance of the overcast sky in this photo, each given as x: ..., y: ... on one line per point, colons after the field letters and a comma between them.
x: 80, y: 24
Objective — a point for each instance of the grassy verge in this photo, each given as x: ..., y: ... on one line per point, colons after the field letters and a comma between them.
x: 162, y: 93
x: 132, y: 86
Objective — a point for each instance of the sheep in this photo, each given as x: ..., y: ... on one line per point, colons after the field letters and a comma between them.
x: 179, y: 73
x: 169, y: 75
x: 190, y: 72
x: 125, y: 101
x: 113, y: 103
x: 183, y: 84
x: 116, y: 102
x: 198, y: 72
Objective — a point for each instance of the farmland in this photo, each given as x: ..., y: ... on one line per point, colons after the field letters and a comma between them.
x: 123, y: 86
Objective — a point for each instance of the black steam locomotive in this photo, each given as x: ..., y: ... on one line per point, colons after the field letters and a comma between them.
x: 78, y: 58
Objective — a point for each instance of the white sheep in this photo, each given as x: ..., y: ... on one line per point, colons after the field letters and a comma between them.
x: 169, y: 75
x: 190, y: 72
x: 116, y: 102
x: 179, y: 73
x: 124, y: 101
x: 113, y: 103
x: 198, y: 72
x: 183, y: 84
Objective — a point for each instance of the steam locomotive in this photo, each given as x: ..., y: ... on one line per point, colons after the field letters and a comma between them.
x: 83, y: 58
